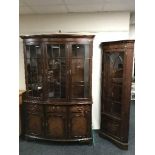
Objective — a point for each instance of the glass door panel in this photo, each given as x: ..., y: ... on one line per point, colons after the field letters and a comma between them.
x: 80, y: 51
x: 34, y: 70
x: 80, y: 63
x: 113, y: 77
x: 56, y: 75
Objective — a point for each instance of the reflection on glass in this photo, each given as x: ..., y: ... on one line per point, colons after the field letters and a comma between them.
x: 80, y: 51
x: 80, y: 71
x: 56, y: 71
x: 56, y: 51
x: 34, y: 70
x: 33, y: 51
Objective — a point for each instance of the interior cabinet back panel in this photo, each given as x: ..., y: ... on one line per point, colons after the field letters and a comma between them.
x: 56, y: 70
x: 117, y: 65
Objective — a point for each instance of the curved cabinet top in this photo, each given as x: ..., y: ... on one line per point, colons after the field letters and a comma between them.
x: 57, y: 36
x: 118, y: 44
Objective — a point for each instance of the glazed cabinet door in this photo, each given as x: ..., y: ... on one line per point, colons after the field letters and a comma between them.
x: 34, y: 120
x: 113, y: 68
x: 56, y: 71
x: 34, y: 69
x: 79, y: 121
x: 80, y: 71
x: 112, y: 93
x: 56, y: 122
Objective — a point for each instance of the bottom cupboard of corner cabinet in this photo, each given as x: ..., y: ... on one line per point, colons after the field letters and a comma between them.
x: 58, y: 122
x: 111, y: 129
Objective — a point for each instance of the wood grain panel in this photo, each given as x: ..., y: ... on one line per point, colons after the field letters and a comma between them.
x: 79, y: 126
x: 34, y: 125
x: 56, y: 126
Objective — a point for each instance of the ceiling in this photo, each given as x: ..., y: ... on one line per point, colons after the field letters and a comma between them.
x: 72, y: 6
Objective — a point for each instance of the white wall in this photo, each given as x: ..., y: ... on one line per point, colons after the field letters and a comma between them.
x: 132, y: 26
x: 106, y: 26
x: 92, y: 22
x: 21, y: 67
x: 132, y: 31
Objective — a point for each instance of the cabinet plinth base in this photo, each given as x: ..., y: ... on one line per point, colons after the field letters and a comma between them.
x: 118, y: 143
x: 79, y: 140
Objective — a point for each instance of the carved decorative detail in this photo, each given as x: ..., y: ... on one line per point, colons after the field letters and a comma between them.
x: 80, y: 108
x: 34, y: 108
x: 56, y: 109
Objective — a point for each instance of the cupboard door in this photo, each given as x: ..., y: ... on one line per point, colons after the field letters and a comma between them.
x: 80, y: 71
x: 111, y: 126
x: 34, y: 70
x: 34, y: 120
x: 56, y: 63
x: 34, y: 125
x: 79, y: 122
x: 56, y: 122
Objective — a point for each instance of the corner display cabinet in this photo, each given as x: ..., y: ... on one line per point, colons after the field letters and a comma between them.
x: 57, y: 103
x: 117, y: 58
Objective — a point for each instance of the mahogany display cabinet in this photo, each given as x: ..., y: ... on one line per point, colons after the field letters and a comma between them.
x: 57, y: 103
x: 117, y: 62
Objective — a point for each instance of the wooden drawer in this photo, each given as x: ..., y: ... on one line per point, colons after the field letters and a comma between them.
x: 56, y: 109
x: 80, y: 108
x: 34, y: 108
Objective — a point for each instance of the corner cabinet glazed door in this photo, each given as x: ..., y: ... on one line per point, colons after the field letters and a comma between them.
x: 80, y: 71
x: 113, y: 69
x: 34, y: 70
x: 56, y: 71
x: 116, y: 85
